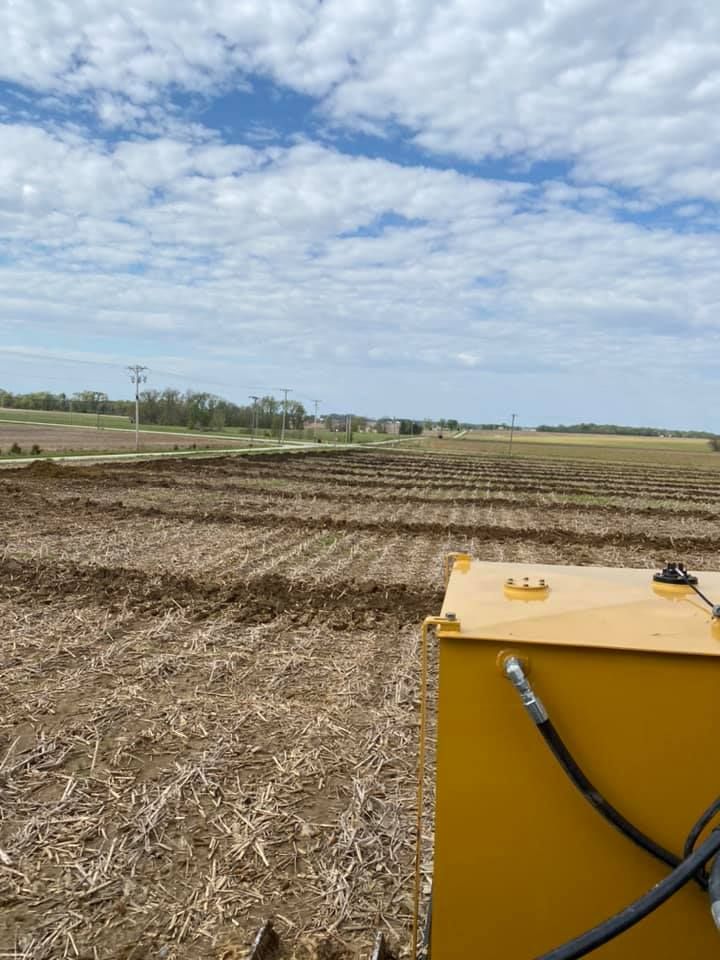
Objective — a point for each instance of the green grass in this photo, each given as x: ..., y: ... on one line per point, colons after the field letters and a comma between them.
x: 74, y: 419
x: 113, y: 422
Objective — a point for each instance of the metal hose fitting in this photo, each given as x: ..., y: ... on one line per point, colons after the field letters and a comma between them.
x: 513, y: 670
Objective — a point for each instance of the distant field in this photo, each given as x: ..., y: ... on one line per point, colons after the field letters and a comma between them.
x: 671, y: 451
x: 79, y: 439
x: 591, y: 440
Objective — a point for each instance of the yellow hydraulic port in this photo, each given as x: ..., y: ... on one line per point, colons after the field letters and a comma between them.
x: 629, y: 672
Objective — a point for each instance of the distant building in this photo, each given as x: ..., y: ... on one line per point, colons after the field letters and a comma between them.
x: 388, y: 426
x: 335, y: 421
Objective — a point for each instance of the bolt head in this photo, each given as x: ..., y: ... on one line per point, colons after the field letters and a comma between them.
x: 451, y: 616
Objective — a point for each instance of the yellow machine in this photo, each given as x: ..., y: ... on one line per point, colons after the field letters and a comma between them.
x: 569, y: 696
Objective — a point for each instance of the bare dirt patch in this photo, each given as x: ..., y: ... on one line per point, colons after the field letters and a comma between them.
x: 53, y: 439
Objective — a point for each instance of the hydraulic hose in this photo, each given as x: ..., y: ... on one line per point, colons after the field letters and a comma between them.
x: 698, y: 827
x: 604, y: 932
x: 714, y: 891
x: 593, y: 796
x: 534, y: 706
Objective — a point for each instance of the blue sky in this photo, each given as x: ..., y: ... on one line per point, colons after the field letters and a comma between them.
x: 461, y: 209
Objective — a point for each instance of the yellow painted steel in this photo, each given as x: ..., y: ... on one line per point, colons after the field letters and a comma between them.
x: 449, y: 626
x: 631, y: 678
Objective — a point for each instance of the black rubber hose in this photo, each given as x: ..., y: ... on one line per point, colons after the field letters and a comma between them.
x: 612, y: 927
x: 566, y: 760
x: 714, y: 890
x: 700, y: 824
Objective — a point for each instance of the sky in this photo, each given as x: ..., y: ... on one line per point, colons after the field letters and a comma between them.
x: 462, y: 209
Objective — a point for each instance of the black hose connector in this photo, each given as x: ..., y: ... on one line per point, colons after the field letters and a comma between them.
x: 612, y: 927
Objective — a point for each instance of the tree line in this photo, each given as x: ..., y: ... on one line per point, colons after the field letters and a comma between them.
x: 616, y: 429
x: 170, y: 408
x: 197, y: 410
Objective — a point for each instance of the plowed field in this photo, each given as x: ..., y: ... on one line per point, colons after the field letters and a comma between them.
x: 209, y: 680
x: 53, y: 439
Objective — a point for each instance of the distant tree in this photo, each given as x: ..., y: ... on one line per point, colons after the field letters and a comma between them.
x: 410, y: 428
x: 614, y: 429
x: 217, y: 419
x: 296, y: 414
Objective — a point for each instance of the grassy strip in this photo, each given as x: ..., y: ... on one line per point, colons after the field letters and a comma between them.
x: 113, y: 422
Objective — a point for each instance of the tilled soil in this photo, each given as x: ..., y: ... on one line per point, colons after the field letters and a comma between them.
x: 65, y: 438
x: 209, y: 680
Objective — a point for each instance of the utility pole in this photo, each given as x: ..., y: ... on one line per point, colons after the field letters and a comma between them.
x: 315, y: 421
x: 137, y: 376
x: 97, y: 396
x: 254, y: 418
x: 286, y: 391
x: 512, y: 431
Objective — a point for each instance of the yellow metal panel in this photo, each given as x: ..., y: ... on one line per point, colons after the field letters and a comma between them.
x: 522, y: 862
x: 594, y: 606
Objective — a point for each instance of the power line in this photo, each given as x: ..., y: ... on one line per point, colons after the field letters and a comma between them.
x: 56, y: 358
x: 116, y: 365
x: 119, y: 366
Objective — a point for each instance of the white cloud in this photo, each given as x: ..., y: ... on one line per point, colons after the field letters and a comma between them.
x: 163, y: 234
x: 627, y: 93
x: 287, y: 248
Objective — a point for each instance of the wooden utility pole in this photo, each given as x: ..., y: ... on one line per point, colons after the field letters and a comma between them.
x: 254, y: 418
x: 512, y: 431
x: 315, y: 421
x: 137, y: 376
x: 286, y: 391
